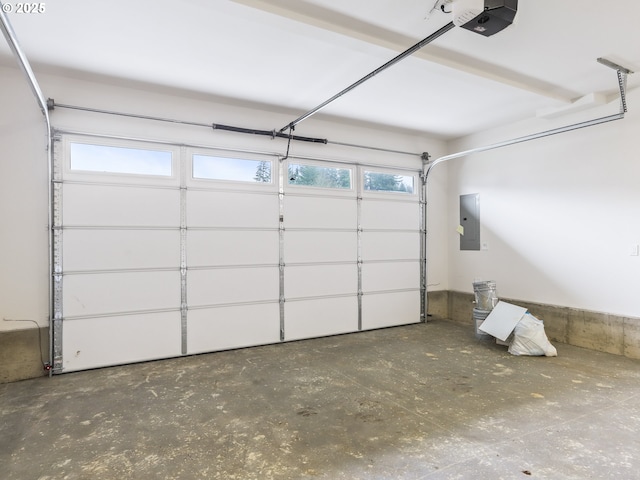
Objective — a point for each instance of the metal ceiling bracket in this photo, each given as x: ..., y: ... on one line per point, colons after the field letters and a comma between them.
x: 622, y: 80
x: 615, y: 66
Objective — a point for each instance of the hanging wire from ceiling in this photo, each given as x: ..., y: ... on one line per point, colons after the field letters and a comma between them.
x: 442, y: 3
x: 291, y: 129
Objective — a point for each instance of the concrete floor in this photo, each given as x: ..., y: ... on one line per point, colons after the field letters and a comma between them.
x: 419, y: 402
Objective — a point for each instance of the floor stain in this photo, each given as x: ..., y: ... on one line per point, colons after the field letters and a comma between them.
x: 306, y: 412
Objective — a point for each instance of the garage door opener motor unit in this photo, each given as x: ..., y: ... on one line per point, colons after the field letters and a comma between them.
x: 485, y: 17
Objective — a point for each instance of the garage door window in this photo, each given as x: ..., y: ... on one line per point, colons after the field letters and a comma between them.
x: 109, y: 159
x: 318, y: 176
x: 388, y: 182
x: 234, y: 169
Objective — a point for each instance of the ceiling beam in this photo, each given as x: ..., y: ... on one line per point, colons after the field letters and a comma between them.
x: 330, y: 20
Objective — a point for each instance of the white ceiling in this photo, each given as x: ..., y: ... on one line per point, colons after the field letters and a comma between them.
x: 295, y: 54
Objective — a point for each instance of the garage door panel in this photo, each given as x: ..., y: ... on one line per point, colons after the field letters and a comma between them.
x: 390, y: 276
x: 120, y: 249
x: 104, y: 293
x: 232, y: 209
x: 320, y: 317
x: 390, y: 246
x: 223, y: 328
x: 390, y: 215
x: 319, y: 280
x: 219, y: 247
x: 105, y: 341
x: 303, y: 247
x: 124, y: 242
x: 390, y: 309
x: 107, y: 206
x: 318, y: 213
x: 232, y: 285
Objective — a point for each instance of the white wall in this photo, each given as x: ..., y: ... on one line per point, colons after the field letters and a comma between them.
x: 559, y: 215
x: 23, y: 167
x: 24, y: 260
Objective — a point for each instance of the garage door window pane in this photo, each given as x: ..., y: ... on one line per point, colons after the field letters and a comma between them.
x: 316, y: 176
x: 388, y: 182
x: 107, y: 159
x: 236, y: 169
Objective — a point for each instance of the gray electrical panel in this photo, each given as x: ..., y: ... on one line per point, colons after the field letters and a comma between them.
x: 470, y: 221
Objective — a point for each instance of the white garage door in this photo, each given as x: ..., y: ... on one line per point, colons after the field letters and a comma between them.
x: 390, y: 249
x: 232, y: 250
x: 162, y: 251
x: 320, y: 249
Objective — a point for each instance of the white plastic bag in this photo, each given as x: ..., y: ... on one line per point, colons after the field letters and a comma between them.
x: 529, y: 338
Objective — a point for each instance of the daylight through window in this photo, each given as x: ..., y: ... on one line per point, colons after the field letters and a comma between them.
x: 388, y: 182
x: 109, y: 159
x: 235, y: 169
x: 316, y: 176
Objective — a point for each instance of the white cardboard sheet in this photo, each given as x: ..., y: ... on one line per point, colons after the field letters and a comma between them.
x: 502, y: 320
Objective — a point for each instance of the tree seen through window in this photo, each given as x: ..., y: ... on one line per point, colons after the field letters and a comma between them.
x: 388, y: 182
x: 314, y: 176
